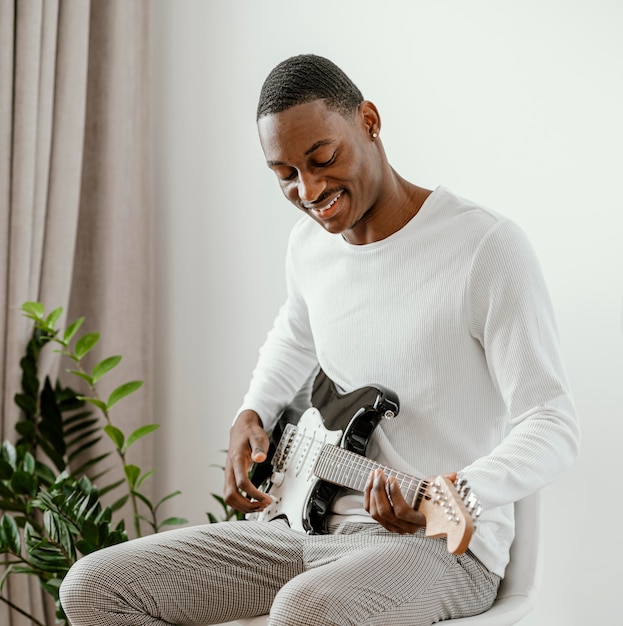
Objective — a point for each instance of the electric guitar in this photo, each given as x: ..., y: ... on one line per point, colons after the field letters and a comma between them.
x: 314, y: 454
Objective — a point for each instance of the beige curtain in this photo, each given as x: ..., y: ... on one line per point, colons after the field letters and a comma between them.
x: 75, y: 198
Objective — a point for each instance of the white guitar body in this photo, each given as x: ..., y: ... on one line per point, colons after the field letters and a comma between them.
x: 292, y: 481
x: 311, y: 463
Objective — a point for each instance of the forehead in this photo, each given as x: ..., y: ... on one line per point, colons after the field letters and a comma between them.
x: 298, y: 129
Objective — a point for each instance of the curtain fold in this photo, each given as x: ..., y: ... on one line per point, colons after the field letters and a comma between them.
x: 75, y: 201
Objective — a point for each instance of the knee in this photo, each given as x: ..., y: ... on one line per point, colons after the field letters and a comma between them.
x: 296, y: 604
x: 82, y: 589
x: 74, y: 589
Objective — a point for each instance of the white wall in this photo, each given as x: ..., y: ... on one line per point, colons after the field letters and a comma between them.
x: 513, y: 104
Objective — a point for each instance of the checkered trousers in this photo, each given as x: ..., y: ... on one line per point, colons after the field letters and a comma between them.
x: 359, y: 575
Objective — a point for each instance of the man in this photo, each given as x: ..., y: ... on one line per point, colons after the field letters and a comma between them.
x: 420, y: 291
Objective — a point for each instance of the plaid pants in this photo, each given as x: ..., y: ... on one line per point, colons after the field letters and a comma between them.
x: 358, y: 575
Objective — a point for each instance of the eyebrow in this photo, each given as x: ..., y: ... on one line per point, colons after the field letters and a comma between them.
x: 318, y: 144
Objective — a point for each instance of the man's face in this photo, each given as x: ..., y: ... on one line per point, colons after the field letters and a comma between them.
x: 327, y: 165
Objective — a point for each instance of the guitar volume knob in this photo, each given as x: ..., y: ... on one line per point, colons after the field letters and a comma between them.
x: 277, y: 478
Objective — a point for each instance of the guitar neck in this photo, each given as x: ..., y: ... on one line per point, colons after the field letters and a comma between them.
x: 348, y: 469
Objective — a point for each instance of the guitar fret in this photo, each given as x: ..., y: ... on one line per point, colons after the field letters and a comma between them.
x: 352, y: 470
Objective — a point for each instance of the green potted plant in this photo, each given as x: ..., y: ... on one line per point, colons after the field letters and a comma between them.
x: 50, y: 494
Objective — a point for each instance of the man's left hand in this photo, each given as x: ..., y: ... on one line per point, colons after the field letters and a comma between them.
x: 386, y: 504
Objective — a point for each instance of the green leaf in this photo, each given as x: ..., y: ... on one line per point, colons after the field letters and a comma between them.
x: 69, y: 355
x: 95, y: 402
x: 123, y: 391
x: 115, y: 537
x: 141, y: 432
x: 26, y: 429
x: 28, y: 464
x: 82, y: 375
x: 5, y: 575
x: 144, y: 477
x: 53, y: 318
x: 103, y: 367
x: 79, y: 427
x: 23, y: 483
x: 85, y: 344
x: 28, y: 404
x: 52, y: 587
x: 219, y: 499
x: 81, y: 436
x: 116, y: 435
x: 145, y: 501
x: 132, y: 472
x: 24, y: 569
x: 173, y: 521
x: 46, y: 557
x: 34, y: 310
x: 71, y: 330
x: 70, y: 422
x: 11, y: 505
x: 119, y: 503
x: 6, y: 471
x: 10, y: 534
x: 9, y: 454
x: 107, y: 488
x: 104, y: 516
x: 168, y: 497
x: 90, y: 533
x: 85, y: 446
x: 55, y: 583
x: 90, y: 463
x: 84, y: 547
x: 44, y: 473
x: 150, y: 522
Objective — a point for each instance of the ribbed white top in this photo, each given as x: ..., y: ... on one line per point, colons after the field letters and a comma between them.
x: 452, y: 313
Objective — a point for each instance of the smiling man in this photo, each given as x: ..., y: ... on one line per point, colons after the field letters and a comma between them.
x: 419, y: 291
x: 342, y: 179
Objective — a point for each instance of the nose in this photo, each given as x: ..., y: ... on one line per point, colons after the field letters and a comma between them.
x: 310, y: 187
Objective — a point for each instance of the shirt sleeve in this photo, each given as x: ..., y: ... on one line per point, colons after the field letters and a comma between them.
x: 510, y: 314
x: 287, y: 359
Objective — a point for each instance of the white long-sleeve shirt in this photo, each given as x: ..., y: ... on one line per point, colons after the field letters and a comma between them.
x: 452, y: 313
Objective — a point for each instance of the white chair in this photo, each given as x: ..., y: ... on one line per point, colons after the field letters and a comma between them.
x: 519, y: 588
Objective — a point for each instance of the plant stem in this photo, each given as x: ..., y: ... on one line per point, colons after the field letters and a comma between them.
x: 14, y: 607
x: 120, y: 453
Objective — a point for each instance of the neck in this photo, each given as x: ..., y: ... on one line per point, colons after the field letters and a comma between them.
x: 396, y: 206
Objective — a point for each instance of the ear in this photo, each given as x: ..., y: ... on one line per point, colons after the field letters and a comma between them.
x: 370, y: 117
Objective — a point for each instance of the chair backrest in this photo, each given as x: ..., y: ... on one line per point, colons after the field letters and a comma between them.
x: 523, y: 574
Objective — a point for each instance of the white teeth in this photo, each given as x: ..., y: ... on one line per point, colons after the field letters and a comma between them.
x: 332, y: 202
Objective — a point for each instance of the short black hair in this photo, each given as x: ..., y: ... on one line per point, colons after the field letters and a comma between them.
x: 304, y: 78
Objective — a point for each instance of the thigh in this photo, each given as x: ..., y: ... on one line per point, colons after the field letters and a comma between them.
x: 198, y: 575
x: 382, y: 578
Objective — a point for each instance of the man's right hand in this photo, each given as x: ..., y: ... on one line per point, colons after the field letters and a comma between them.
x: 248, y: 444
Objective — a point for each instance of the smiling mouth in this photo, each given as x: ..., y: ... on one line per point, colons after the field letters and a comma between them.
x: 326, y: 210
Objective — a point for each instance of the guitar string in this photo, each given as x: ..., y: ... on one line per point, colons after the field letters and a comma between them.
x: 359, y: 463
x: 415, y: 489
x: 356, y: 463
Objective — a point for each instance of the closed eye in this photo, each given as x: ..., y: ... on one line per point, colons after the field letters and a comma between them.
x: 326, y: 163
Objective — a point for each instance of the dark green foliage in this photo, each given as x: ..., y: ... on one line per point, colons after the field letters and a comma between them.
x: 53, y: 512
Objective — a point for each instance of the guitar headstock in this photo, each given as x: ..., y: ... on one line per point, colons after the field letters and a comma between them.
x: 450, y: 513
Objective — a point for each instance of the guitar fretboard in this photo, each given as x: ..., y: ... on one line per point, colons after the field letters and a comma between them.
x: 348, y: 469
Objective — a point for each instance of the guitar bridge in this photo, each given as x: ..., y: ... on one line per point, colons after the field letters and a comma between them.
x: 283, y: 448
